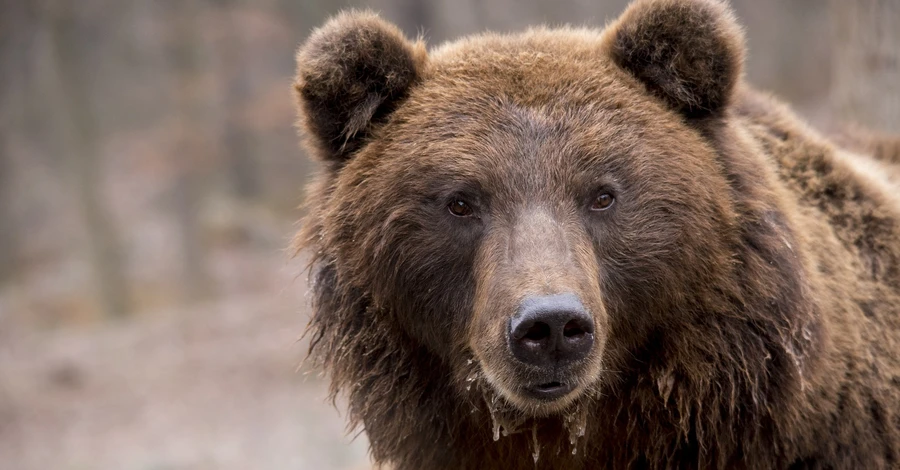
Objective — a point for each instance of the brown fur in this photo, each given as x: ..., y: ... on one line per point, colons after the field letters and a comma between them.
x: 745, y: 285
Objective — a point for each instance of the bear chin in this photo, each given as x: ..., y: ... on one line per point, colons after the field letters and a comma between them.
x: 541, y: 396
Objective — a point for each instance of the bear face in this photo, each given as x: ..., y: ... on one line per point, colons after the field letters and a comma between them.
x: 532, y: 223
x: 523, y: 171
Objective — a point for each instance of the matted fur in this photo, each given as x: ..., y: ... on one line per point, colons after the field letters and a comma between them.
x: 746, y: 285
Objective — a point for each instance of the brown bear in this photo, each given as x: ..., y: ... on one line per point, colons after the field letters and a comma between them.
x: 575, y: 249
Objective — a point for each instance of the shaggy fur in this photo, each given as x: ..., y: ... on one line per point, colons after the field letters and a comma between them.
x: 695, y: 72
x: 745, y: 284
x: 356, y: 69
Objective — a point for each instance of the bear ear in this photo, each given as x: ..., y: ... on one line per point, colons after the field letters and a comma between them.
x: 351, y: 73
x: 688, y: 52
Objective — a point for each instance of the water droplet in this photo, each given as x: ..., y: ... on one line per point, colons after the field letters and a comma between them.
x: 492, y: 408
x: 576, y: 423
x: 807, y: 334
x: 574, y: 450
x: 536, y: 454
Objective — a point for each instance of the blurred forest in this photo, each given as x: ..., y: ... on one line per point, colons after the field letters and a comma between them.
x: 149, y: 181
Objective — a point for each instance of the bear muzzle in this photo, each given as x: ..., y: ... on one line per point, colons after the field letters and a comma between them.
x: 549, y: 333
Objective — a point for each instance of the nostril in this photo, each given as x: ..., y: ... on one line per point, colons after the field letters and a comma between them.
x: 538, y: 332
x: 573, y: 329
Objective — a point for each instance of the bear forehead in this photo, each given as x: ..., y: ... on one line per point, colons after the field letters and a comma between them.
x: 507, y: 142
x: 566, y: 45
x: 540, y: 67
x: 545, y: 108
x: 542, y: 84
x: 512, y: 96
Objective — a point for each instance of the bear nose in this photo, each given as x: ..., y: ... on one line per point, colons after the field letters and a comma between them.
x: 551, y: 330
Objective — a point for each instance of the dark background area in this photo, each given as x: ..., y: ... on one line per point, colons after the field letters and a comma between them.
x: 149, y: 179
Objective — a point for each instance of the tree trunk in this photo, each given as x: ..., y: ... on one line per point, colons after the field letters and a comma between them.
x: 192, y: 147
x: 8, y: 254
x: 866, y: 73
x: 17, y: 21
x: 241, y: 167
x: 83, y: 163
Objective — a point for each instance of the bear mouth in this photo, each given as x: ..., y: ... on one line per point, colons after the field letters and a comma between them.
x: 548, y: 391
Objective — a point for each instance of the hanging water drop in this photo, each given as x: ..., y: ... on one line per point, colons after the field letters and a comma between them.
x: 470, y: 380
x: 576, y: 423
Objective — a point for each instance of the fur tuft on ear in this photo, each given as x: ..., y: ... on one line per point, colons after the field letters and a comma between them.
x: 688, y: 52
x: 351, y: 73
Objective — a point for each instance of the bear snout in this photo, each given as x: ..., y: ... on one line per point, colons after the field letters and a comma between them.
x: 550, y: 331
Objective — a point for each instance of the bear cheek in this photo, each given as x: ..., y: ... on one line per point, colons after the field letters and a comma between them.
x: 489, y: 324
x: 418, y: 276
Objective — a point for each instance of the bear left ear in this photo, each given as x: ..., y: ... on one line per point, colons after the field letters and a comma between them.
x: 351, y: 73
x: 688, y: 52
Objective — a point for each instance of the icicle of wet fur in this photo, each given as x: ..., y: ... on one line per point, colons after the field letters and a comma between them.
x: 576, y: 423
x: 506, y: 420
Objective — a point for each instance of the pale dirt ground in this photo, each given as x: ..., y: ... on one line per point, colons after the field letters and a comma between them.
x: 212, y: 387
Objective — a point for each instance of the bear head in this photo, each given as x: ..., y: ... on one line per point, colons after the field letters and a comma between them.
x: 527, y: 212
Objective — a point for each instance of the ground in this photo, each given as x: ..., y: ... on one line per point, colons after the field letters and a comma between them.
x: 213, y: 387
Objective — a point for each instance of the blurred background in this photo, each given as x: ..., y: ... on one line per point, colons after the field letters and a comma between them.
x: 150, y: 308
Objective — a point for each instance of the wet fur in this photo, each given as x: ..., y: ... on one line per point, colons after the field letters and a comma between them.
x: 773, y: 347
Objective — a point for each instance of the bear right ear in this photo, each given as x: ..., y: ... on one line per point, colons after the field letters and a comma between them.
x: 688, y: 52
x: 351, y: 73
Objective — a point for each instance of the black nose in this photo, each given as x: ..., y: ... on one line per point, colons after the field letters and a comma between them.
x: 550, y: 330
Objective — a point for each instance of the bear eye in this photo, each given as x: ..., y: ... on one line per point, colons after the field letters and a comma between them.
x: 602, y: 202
x: 460, y: 208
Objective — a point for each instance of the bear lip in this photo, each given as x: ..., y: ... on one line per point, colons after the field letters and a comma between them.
x: 549, y: 391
